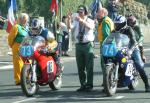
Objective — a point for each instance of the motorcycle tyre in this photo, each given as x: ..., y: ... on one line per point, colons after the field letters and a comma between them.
x: 57, y: 83
x: 109, y: 91
x: 24, y: 87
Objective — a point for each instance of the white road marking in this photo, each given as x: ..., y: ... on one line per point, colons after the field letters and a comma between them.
x: 77, y: 98
x: 5, y: 62
x: 119, y: 97
x: 24, y: 100
x: 9, y: 67
x: 74, y: 98
x: 147, y: 49
x: 105, y: 98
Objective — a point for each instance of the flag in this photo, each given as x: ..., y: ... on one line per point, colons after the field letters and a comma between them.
x: 12, y: 6
x: 54, y: 6
x: 97, y: 4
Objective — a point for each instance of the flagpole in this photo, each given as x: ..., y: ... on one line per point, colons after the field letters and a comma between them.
x: 60, y: 10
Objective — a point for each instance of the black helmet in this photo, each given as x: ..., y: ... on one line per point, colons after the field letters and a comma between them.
x: 120, y: 22
x: 131, y: 21
x: 36, y: 27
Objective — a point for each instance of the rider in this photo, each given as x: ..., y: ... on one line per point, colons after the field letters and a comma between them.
x: 121, y: 26
x: 131, y: 21
x: 51, y: 43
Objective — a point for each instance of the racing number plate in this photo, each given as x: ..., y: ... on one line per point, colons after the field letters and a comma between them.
x: 129, y: 70
x: 26, y: 51
x: 50, y: 66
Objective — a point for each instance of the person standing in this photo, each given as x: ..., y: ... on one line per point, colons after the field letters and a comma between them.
x: 105, y: 27
x: 65, y: 38
x: 59, y: 39
x: 15, y: 37
x: 83, y: 30
x: 112, y: 9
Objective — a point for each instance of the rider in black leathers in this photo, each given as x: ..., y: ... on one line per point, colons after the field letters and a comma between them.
x: 121, y: 26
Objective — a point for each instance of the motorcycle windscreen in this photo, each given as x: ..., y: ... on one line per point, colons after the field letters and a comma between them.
x: 30, y: 44
x: 38, y: 41
x: 35, y: 41
x: 113, y: 43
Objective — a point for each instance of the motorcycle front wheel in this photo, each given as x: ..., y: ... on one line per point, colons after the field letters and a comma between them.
x: 57, y: 83
x: 110, y: 83
x: 29, y: 88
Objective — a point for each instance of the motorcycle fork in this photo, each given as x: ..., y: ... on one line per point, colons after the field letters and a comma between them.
x: 34, y: 75
x: 116, y: 71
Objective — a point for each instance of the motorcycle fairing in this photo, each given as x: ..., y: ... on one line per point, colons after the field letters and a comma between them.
x: 48, y: 73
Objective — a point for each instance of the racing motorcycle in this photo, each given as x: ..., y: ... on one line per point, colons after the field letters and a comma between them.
x: 119, y: 68
x: 39, y: 68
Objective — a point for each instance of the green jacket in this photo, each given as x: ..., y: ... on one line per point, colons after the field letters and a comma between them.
x: 22, y: 32
x: 59, y: 36
x: 138, y: 33
x: 105, y: 28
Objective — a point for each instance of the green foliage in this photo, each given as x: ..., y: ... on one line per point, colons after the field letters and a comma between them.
x: 146, y: 2
x: 3, y: 7
x: 41, y: 7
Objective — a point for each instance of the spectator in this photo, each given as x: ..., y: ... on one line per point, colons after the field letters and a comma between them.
x: 112, y: 9
x: 59, y: 39
x: 105, y: 27
x: 65, y: 38
x: 15, y: 37
x: 83, y: 31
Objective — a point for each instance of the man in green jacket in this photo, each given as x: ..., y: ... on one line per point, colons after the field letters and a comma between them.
x: 105, y: 27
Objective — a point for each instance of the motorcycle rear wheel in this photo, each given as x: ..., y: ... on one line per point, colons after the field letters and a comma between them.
x: 110, y: 84
x: 29, y: 88
x: 57, y: 83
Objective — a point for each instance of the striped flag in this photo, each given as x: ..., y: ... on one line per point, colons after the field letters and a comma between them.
x: 12, y: 7
x: 95, y: 6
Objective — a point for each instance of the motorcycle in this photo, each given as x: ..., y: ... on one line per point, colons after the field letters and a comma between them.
x: 119, y: 68
x: 39, y: 68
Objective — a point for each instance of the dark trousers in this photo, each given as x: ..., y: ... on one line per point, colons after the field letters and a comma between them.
x: 65, y: 42
x: 59, y: 48
x: 85, y: 63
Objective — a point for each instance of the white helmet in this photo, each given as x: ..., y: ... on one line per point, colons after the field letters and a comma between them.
x: 120, y: 19
x: 120, y: 22
x: 36, y: 27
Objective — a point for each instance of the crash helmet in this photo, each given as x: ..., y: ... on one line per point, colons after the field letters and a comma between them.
x: 36, y: 27
x: 120, y: 22
x: 131, y: 21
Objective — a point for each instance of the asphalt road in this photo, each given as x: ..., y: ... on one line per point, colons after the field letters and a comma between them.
x: 9, y: 93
